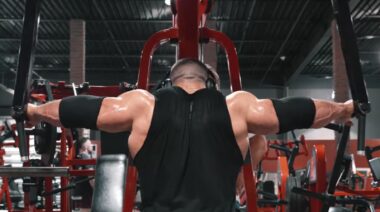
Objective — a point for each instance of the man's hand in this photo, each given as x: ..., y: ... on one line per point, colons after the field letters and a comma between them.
x: 347, y: 113
x: 31, y: 115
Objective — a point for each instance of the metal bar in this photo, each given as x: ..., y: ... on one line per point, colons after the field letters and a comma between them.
x: 47, y: 39
x: 160, y: 21
x: 131, y: 56
x: 250, y: 185
x: 230, y: 50
x: 319, y: 156
x: 338, y: 161
x: 86, y: 172
x: 350, y: 50
x: 146, y: 55
x: 82, y: 162
x: 34, y: 171
x: 353, y: 67
x: 64, y: 180
x: 130, y: 188
x: 187, y: 23
x: 279, y: 52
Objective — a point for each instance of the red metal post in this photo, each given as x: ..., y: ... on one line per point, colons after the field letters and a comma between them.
x: 232, y: 58
x: 83, y: 172
x: 130, y: 189
x: 49, y: 198
x: 64, y: 180
x: 142, y: 82
x: 188, y: 34
x: 74, y: 162
x: 150, y: 45
x: 250, y: 187
x: 319, y: 160
x: 284, y: 174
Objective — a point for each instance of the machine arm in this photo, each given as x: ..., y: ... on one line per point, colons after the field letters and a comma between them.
x: 350, y: 51
x: 24, y: 69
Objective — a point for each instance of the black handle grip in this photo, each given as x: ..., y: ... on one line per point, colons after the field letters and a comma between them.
x: 58, y: 190
x: 336, y: 127
x: 361, y: 135
x: 23, y: 147
x: 281, y: 148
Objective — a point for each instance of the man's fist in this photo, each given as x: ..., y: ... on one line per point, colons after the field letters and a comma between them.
x: 31, y: 115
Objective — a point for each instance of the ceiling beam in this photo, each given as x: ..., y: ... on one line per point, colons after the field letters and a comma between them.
x: 3, y: 54
x: 110, y: 33
x: 17, y: 39
x: 285, y: 42
x: 162, y: 21
x: 311, y: 47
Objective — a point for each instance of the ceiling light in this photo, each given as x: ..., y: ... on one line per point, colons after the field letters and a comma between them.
x: 167, y: 2
x: 283, y: 58
x: 368, y: 37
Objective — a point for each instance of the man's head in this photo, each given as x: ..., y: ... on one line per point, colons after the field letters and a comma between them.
x: 189, y: 69
x: 84, y: 145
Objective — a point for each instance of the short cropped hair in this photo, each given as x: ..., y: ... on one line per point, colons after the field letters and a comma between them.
x: 81, y: 141
x: 201, y: 73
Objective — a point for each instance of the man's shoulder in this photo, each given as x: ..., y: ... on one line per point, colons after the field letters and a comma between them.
x: 139, y: 95
x: 240, y: 100
x: 239, y: 96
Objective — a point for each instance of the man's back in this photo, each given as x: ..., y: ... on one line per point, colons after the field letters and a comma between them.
x: 133, y: 111
x: 190, y: 159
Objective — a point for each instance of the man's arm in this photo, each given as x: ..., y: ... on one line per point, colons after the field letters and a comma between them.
x: 265, y: 116
x: 115, y: 114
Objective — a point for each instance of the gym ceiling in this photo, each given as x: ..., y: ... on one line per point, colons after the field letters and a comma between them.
x: 277, y: 40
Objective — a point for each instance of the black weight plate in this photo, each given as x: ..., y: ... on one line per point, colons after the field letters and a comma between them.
x: 296, y: 202
x: 45, y: 141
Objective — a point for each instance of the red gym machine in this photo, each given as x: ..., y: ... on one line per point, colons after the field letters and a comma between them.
x: 188, y: 30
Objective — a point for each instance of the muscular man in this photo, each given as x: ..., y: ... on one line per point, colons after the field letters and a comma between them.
x: 188, y: 142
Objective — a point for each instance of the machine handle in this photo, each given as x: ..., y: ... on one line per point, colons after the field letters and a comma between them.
x: 341, y: 11
x: 23, y: 147
x: 336, y: 127
x: 361, y: 135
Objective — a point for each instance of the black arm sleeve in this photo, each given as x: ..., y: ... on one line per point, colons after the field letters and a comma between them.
x: 294, y: 113
x: 80, y: 111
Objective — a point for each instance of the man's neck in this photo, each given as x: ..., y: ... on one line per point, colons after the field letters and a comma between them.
x: 190, y: 87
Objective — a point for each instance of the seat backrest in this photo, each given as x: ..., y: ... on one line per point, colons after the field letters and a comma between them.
x: 110, y: 175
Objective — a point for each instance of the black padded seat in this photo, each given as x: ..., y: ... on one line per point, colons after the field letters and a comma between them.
x: 111, y: 171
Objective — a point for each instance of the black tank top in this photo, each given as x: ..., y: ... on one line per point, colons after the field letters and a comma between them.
x: 190, y: 158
